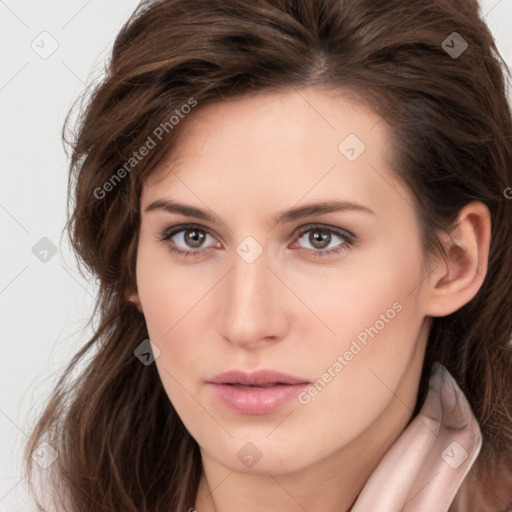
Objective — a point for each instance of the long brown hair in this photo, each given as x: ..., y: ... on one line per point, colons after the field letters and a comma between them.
x: 120, y: 443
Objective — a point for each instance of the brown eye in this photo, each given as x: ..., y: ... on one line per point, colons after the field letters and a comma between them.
x: 188, y: 240
x: 320, y: 239
x: 194, y: 237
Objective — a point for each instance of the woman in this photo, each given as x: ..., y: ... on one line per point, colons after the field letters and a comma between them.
x: 298, y: 215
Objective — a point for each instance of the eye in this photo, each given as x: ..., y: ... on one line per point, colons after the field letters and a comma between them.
x: 321, y: 237
x: 193, y: 236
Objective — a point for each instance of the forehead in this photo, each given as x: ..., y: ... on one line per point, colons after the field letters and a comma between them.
x: 282, y: 145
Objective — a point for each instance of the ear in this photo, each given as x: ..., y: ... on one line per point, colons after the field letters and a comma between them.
x: 133, y: 296
x: 456, y: 278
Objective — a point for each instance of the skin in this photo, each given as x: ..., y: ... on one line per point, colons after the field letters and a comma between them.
x: 245, y: 160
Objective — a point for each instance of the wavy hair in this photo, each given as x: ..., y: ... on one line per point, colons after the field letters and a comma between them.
x: 120, y: 443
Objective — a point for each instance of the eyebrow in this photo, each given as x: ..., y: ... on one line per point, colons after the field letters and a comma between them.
x: 286, y: 216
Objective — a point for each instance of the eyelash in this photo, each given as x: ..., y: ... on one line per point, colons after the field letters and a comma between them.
x: 348, y: 239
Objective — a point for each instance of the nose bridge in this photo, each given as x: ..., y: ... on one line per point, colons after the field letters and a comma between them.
x: 249, y: 288
x: 251, y: 308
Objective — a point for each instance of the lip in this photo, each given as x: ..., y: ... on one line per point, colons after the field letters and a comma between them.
x: 263, y: 391
x: 257, y: 378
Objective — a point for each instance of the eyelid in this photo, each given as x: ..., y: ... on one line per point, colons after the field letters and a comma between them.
x: 178, y: 228
x: 171, y: 231
x: 342, y: 231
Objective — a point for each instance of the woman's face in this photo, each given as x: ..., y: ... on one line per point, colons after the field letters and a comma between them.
x: 333, y: 296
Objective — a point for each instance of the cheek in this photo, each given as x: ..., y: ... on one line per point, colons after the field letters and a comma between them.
x: 374, y: 318
x: 173, y: 300
x: 356, y: 381
x: 374, y: 304
x: 169, y: 293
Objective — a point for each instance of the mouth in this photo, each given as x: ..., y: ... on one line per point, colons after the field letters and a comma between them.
x: 262, y: 392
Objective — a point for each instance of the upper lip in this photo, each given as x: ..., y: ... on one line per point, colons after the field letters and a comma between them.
x: 260, y: 377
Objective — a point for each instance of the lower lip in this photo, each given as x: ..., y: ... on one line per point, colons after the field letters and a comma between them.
x: 256, y: 400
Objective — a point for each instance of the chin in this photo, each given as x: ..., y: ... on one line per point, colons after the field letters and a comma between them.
x: 260, y: 455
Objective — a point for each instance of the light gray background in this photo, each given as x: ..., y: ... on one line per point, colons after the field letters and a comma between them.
x: 45, y: 305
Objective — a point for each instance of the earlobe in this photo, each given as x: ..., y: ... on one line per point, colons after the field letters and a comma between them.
x: 133, y: 297
x: 458, y: 276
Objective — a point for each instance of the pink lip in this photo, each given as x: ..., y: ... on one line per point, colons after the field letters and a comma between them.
x: 260, y: 377
x: 264, y: 391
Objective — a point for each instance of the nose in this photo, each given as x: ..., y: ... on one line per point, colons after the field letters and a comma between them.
x: 253, y: 304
